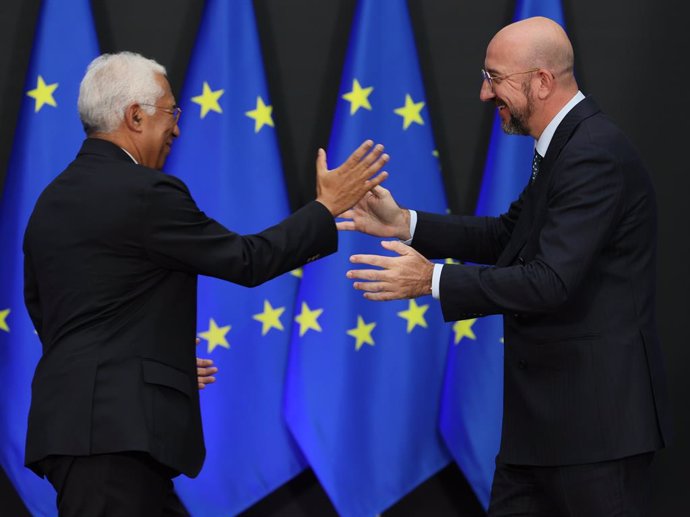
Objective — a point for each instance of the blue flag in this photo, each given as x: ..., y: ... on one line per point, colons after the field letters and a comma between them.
x: 364, y: 378
x: 472, y: 407
x: 228, y: 156
x: 47, y: 138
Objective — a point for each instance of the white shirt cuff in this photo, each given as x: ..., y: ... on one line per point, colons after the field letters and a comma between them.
x: 413, y: 226
x: 436, y: 281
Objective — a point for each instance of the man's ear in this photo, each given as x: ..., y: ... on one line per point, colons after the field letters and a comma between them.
x: 546, y: 83
x: 133, y: 118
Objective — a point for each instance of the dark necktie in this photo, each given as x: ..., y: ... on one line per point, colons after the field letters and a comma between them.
x: 536, y: 161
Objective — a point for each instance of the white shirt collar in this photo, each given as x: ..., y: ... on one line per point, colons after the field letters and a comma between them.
x: 128, y: 154
x: 542, y: 145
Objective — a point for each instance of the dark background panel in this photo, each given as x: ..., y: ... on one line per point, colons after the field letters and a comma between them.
x: 631, y: 56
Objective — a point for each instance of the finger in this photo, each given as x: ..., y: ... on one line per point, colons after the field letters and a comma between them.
x: 379, y: 192
x: 321, y: 162
x: 366, y: 274
x: 198, y: 341
x: 374, y: 161
x: 347, y: 214
x: 375, y: 154
x: 373, y: 182
x: 345, y: 225
x: 398, y: 247
x: 206, y: 380
x: 382, y: 296
x: 201, y: 372
x: 371, y: 287
x: 203, y: 362
x: 358, y: 154
x: 372, y: 260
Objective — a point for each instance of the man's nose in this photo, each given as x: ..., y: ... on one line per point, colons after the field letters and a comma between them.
x: 486, y: 92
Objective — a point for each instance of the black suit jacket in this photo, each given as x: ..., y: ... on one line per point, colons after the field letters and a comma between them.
x: 112, y: 253
x: 574, y: 277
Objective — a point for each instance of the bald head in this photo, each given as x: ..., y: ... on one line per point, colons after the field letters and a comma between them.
x: 536, y: 43
x: 529, y: 74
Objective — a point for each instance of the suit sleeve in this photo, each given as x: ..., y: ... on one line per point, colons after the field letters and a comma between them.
x: 467, y: 238
x: 31, y: 298
x: 179, y: 236
x: 584, y: 204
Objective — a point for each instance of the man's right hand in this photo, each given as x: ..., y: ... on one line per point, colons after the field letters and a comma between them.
x: 341, y: 188
x: 377, y: 214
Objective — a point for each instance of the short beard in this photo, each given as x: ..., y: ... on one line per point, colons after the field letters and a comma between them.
x: 517, y: 123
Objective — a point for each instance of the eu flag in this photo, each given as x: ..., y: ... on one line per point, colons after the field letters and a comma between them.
x: 472, y: 406
x: 47, y: 138
x: 364, y: 378
x: 228, y: 156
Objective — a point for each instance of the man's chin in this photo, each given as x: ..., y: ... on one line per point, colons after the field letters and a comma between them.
x: 513, y: 127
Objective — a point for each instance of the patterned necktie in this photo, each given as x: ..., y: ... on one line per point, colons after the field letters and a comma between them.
x: 536, y: 161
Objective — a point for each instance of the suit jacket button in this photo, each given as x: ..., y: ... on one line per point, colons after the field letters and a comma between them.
x: 521, y: 260
x: 522, y: 364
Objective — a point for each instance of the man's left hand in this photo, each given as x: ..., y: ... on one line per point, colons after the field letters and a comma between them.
x: 405, y: 276
x: 204, y: 371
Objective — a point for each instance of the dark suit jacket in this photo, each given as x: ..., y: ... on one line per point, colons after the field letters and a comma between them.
x: 112, y: 253
x: 574, y: 277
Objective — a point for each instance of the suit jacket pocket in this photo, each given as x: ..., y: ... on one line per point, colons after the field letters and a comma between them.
x: 164, y: 375
x: 170, y: 410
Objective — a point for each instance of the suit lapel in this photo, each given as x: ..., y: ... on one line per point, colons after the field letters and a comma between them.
x: 584, y: 109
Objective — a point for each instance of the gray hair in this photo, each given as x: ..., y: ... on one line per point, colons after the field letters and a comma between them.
x: 112, y: 83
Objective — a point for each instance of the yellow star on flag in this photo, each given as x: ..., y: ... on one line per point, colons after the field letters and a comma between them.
x: 297, y: 272
x: 463, y: 329
x: 410, y: 112
x: 414, y: 315
x: 215, y: 335
x: 358, y: 97
x: 308, y: 319
x: 270, y: 318
x: 261, y: 115
x: 451, y: 261
x: 3, y: 320
x: 43, y: 94
x: 362, y: 333
x: 208, y: 100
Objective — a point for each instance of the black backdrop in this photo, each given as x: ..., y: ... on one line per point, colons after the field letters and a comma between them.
x: 631, y: 55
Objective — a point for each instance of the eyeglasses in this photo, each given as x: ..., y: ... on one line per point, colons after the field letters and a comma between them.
x: 175, y: 111
x: 491, y: 79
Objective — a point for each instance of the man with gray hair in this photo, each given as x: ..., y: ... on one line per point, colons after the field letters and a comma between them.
x: 112, y: 253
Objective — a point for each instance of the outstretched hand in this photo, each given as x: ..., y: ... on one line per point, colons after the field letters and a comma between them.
x: 405, y: 276
x: 341, y: 188
x: 204, y: 370
x: 377, y: 214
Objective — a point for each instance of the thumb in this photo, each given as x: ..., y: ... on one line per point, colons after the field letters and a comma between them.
x: 321, y: 165
x: 396, y: 246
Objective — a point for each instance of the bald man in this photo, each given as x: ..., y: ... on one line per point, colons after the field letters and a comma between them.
x: 571, y: 266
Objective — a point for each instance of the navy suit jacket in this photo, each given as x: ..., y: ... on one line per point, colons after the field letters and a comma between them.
x: 112, y: 253
x: 574, y: 273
